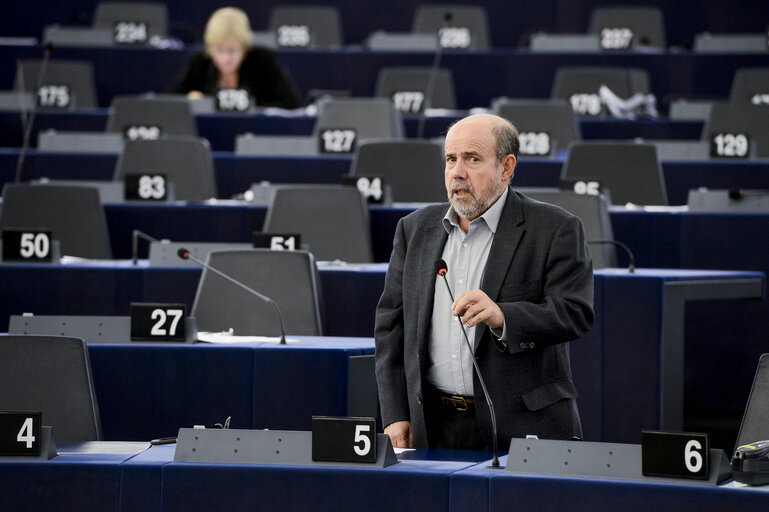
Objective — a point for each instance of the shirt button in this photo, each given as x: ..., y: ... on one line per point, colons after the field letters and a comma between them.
x: 456, y: 319
x: 465, y: 244
x: 461, y: 281
x: 454, y: 356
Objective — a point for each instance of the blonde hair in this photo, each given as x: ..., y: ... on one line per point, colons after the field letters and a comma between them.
x: 228, y: 22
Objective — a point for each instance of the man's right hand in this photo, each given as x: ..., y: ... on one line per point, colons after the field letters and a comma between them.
x: 400, y: 434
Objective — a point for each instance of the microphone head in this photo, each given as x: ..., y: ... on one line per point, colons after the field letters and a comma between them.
x: 183, y: 253
x: 448, y: 17
x: 441, y: 267
x: 48, y: 47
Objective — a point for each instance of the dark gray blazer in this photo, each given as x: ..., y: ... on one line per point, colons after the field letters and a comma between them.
x: 539, y: 271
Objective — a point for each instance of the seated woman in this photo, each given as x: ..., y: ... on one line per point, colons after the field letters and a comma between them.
x: 230, y: 62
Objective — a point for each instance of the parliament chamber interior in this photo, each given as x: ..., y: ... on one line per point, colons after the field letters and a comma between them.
x: 189, y: 278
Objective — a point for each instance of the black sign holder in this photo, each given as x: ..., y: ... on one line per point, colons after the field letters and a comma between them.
x: 47, y: 448
x: 278, y: 447
x: 597, y: 460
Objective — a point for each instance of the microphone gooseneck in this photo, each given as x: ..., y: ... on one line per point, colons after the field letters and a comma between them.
x: 630, y: 257
x: 442, y: 271
x: 29, y: 121
x: 185, y: 255
x: 135, y: 236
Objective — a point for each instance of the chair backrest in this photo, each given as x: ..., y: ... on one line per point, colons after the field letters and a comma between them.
x: 332, y: 220
x: 151, y: 15
x: 151, y: 117
x: 51, y: 374
x: 289, y: 278
x: 459, y: 27
x: 370, y: 118
x: 66, y: 84
x: 73, y: 214
x: 186, y: 162
x: 646, y: 25
x: 306, y: 26
x: 553, y: 118
x: 750, y: 85
x: 593, y: 210
x: 631, y: 172
x: 740, y: 118
x: 407, y: 88
x: 413, y: 169
x: 580, y: 85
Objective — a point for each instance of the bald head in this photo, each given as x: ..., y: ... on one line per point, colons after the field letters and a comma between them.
x: 497, y: 127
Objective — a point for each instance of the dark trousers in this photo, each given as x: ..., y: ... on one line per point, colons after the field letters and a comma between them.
x: 449, y: 427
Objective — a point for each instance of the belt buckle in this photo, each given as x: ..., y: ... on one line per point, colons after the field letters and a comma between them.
x: 460, y: 403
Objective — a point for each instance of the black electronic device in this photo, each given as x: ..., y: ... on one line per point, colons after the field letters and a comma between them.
x: 750, y: 464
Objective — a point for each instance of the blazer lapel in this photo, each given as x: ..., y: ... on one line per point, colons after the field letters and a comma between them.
x: 434, y: 241
x: 509, y: 232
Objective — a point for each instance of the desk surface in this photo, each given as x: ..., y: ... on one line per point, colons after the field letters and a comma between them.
x: 150, y: 480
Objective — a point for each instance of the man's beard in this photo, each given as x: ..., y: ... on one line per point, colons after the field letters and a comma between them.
x: 476, y: 206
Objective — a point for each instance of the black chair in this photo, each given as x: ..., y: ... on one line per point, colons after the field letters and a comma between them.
x: 185, y: 161
x: 51, y: 374
x: 408, y: 88
x: 322, y: 26
x: 65, y: 84
x: 371, y: 118
x: 593, y: 210
x: 750, y: 85
x: 645, y: 23
x: 73, y: 214
x: 581, y: 85
x: 631, y: 172
x: 290, y: 278
x: 459, y: 27
x: 553, y: 118
x: 151, y: 118
x: 154, y: 15
x: 332, y: 220
x: 413, y: 169
x: 740, y: 118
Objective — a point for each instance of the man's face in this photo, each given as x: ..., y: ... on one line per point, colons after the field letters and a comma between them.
x: 473, y: 177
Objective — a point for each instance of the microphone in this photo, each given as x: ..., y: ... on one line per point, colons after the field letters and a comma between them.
x: 427, y: 102
x: 135, y: 235
x: 631, y: 258
x: 27, y: 122
x: 185, y: 255
x: 442, y: 271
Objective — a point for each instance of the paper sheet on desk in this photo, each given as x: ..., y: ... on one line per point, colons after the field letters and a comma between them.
x: 229, y: 337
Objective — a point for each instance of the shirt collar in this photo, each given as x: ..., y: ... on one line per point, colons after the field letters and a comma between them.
x: 490, y: 216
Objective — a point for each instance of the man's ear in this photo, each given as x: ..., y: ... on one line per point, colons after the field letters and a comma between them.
x: 508, y: 167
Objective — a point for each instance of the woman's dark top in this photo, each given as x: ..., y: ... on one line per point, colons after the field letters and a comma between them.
x: 260, y: 73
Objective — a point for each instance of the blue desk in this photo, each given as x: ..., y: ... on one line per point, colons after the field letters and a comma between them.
x: 222, y: 129
x: 150, y: 480
x: 477, y: 488
x: 75, y: 480
x: 516, y: 73
x: 629, y: 369
x: 149, y: 391
x: 235, y: 174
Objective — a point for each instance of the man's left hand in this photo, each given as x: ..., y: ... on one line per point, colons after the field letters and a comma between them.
x: 475, y: 307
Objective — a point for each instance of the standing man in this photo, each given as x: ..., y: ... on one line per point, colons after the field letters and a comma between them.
x: 522, y: 277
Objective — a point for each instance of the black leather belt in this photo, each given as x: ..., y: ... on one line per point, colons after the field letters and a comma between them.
x: 457, y: 402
